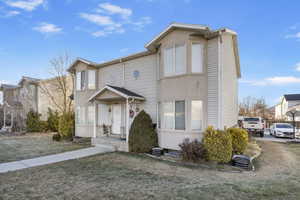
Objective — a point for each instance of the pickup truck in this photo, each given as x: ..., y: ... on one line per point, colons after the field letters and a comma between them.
x: 254, y: 125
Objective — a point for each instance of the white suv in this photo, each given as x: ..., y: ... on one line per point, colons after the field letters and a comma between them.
x: 254, y: 125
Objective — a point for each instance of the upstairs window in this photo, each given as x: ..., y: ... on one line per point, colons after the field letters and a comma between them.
x: 80, y: 80
x: 197, y: 58
x: 92, y: 79
x: 175, y: 60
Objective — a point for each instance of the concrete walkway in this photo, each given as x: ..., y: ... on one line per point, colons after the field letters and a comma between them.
x: 44, y: 160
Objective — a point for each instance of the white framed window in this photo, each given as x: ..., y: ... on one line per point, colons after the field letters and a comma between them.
x: 180, y: 56
x: 92, y: 79
x: 78, y: 81
x: 173, y: 115
x: 168, y: 61
x: 175, y: 60
x: 78, y: 115
x: 196, y: 115
x: 168, y: 115
x: 197, y: 58
x: 180, y: 115
x: 91, y: 114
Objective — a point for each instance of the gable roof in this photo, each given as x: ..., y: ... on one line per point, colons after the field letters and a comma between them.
x: 151, y: 46
x: 90, y: 63
x: 7, y: 86
x: 29, y: 79
x: 118, y: 90
x: 173, y: 26
x: 292, y: 97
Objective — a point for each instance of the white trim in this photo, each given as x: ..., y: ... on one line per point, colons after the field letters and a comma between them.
x: 115, y: 91
x: 127, y: 120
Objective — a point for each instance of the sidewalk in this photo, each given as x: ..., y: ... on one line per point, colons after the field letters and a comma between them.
x: 44, y: 160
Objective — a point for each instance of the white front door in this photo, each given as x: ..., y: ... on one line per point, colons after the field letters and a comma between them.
x: 116, y: 118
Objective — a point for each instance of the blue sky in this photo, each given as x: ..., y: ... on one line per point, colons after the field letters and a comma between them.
x: 34, y: 31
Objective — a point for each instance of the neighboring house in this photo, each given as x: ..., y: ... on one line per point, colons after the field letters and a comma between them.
x: 28, y: 95
x: 287, y: 102
x: 186, y: 80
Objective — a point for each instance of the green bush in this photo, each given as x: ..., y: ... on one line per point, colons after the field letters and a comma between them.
x: 192, y: 151
x: 53, y: 120
x: 66, y: 125
x: 239, y: 139
x: 142, y: 135
x: 56, y: 137
x: 33, y: 122
x: 218, y: 145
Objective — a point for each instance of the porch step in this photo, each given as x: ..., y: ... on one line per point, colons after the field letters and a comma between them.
x: 112, y: 143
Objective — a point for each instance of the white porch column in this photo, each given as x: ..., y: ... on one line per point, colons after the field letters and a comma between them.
x: 127, y: 120
x: 95, y: 120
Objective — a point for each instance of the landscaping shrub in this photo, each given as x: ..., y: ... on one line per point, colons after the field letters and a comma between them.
x: 53, y: 120
x: 192, y: 151
x: 66, y: 125
x: 142, y: 135
x: 56, y: 137
x: 218, y: 145
x: 33, y: 122
x: 239, y: 139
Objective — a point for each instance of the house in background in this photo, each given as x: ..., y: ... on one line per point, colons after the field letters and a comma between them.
x: 28, y: 95
x: 186, y: 80
x: 287, y: 102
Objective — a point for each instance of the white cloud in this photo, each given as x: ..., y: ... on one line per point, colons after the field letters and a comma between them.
x: 114, y: 9
x: 98, y: 19
x: 296, y: 35
x: 12, y: 13
x: 114, y: 19
x: 47, y: 28
x: 297, y: 66
x: 276, y: 80
x: 28, y: 5
x: 140, y: 24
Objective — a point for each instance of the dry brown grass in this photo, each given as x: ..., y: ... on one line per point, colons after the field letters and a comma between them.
x: 131, y: 176
x: 13, y: 148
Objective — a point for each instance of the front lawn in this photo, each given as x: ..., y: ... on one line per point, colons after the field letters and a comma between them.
x: 13, y: 148
x: 132, y: 176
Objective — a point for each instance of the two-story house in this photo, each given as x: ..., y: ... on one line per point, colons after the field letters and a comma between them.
x: 31, y: 94
x: 186, y: 80
x: 287, y: 102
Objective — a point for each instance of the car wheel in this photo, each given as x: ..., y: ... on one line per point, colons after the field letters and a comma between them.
x: 275, y: 134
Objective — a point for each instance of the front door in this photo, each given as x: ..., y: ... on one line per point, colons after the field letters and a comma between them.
x: 116, y: 118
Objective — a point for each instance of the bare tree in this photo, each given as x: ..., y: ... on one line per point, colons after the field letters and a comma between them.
x: 253, y: 107
x: 59, y: 88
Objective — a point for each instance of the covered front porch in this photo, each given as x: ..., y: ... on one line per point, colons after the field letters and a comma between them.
x: 115, y: 108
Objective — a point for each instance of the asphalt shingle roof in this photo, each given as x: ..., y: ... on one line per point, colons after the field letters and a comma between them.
x: 292, y: 97
x: 125, y: 91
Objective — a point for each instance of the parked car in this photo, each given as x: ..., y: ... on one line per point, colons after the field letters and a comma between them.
x: 254, y: 125
x: 282, y: 130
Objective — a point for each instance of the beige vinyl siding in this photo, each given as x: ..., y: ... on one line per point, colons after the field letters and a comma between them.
x: 212, y: 81
x: 145, y: 84
x: 230, y: 83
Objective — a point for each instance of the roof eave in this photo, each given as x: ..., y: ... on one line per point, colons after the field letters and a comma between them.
x: 70, y: 69
x: 150, y: 45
